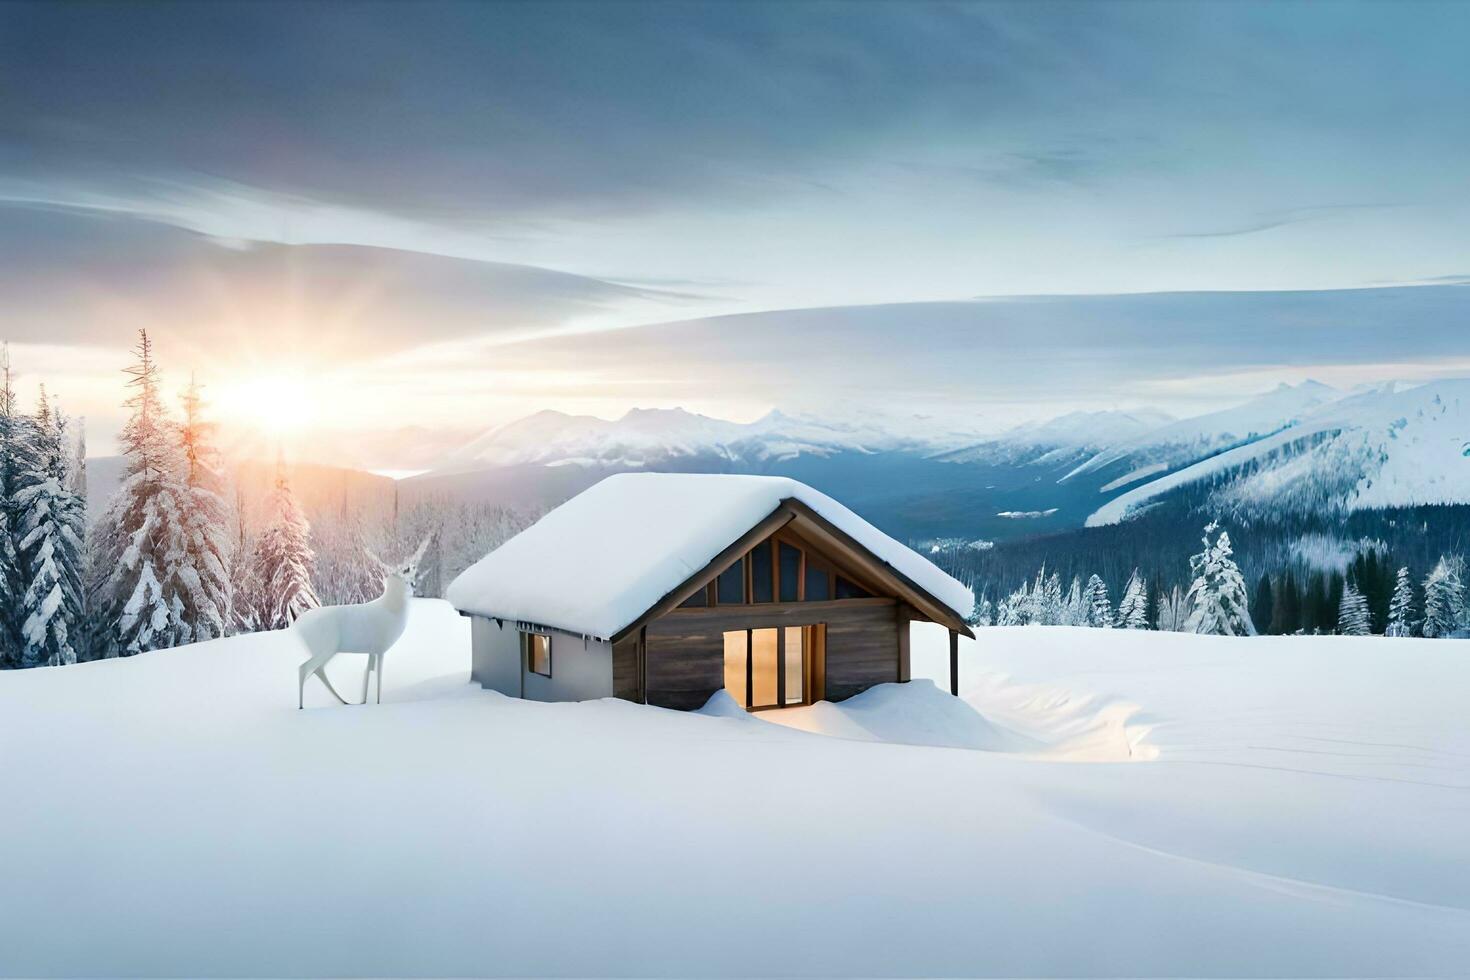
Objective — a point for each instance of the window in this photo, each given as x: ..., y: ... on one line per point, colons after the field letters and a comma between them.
x: 730, y: 586
x: 818, y: 584
x: 850, y: 590
x: 760, y: 572
x: 790, y: 561
x: 698, y: 600
x: 538, y: 653
x: 774, y: 667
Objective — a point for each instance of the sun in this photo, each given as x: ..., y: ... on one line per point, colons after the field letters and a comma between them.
x: 274, y: 404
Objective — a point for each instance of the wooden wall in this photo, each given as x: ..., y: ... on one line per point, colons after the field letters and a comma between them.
x: 862, y: 650
x: 684, y: 657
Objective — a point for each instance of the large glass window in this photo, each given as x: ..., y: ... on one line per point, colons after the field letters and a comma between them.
x: 768, y: 668
x: 763, y: 669
x: 538, y: 653
x: 790, y: 561
x: 760, y: 572
x: 794, y: 660
x: 737, y: 649
x: 851, y: 590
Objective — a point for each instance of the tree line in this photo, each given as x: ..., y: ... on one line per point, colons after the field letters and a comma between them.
x: 176, y: 557
x: 1369, y: 596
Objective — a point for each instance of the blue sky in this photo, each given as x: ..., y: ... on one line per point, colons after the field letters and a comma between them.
x: 424, y: 201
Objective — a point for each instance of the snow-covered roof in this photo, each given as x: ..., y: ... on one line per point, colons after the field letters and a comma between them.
x: 604, y: 558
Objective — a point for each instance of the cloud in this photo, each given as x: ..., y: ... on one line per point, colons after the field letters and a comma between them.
x: 95, y: 277
x: 1270, y: 220
x: 1029, y: 349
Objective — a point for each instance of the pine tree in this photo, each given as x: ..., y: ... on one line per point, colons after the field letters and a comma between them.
x: 1099, y: 607
x: 346, y: 571
x: 1401, y: 607
x: 1335, y: 587
x: 1286, y: 613
x: 141, y: 539
x: 1444, y: 597
x: 1352, y: 613
x: 1051, y: 601
x: 1372, y: 575
x: 1074, y: 609
x: 1015, y: 609
x: 204, y: 572
x: 281, y: 564
x: 1313, y: 604
x: 1133, y: 607
x: 1151, y: 616
x: 51, y: 524
x: 1217, y: 596
x: 15, y: 448
x: 1263, y: 605
x: 1173, y: 612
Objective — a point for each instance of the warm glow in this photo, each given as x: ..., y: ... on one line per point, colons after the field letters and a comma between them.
x: 275, y: 404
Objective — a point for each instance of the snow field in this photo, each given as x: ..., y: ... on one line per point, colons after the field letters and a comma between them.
x: 174, y: 814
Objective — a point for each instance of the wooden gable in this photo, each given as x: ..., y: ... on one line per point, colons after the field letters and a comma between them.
x: 821, y: 546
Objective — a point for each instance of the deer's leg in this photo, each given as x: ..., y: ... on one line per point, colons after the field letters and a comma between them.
x: 378, y: 663
x: 367, y: 675
x: 321, y: 672
x: 316, y: 665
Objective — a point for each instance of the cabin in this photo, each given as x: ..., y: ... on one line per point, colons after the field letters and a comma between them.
x: 665, y: 588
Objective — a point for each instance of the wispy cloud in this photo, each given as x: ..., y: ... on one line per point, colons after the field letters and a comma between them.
x: 1269, y: 220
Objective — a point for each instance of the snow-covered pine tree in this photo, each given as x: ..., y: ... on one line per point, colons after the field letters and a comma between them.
x: 1173, y: 611
x: 1133, y: 608
x: 1401, y: 606
x: 140, y: 540
x: 1352, y: 613
x: 1015, y: 609
x: 1099, y: 606
x: 1217, y: 596
x: 51, y: 524
x: 1051, y: 601
x: 204, y: 571
x: 1462, y: 605
x: 1444, y: 597
x: 345, y: 571
x: 984, y: 612
x: 79, y: 460
x: 14, y: 449
x: 281, y: 564
x: 1074, y: 610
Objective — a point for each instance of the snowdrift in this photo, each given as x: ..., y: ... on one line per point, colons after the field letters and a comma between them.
x: 1304, y: 814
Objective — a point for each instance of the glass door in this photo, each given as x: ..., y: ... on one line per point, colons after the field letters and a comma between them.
x: 768, y: 667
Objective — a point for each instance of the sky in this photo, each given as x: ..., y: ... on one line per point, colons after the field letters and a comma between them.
x: 372, y: 220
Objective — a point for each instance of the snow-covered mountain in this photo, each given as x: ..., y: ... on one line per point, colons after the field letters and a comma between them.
x: 1386, y: 446
x: 1062, y: 438
x: 1179, y: 443
x: 648, y: 437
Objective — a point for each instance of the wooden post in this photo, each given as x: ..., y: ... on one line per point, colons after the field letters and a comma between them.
x: 903, y: 615
x: 954, y: 663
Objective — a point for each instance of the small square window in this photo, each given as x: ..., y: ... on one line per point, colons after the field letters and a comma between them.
x: 538, y: 653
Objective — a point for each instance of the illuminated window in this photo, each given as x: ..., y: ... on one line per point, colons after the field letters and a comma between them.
x: 769, y: 667
x: 538, y: 653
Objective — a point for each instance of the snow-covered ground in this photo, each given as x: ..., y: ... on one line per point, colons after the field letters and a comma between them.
x: 1139, y: 804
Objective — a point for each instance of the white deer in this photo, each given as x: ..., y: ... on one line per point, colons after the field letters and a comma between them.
x: 369, y: 628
